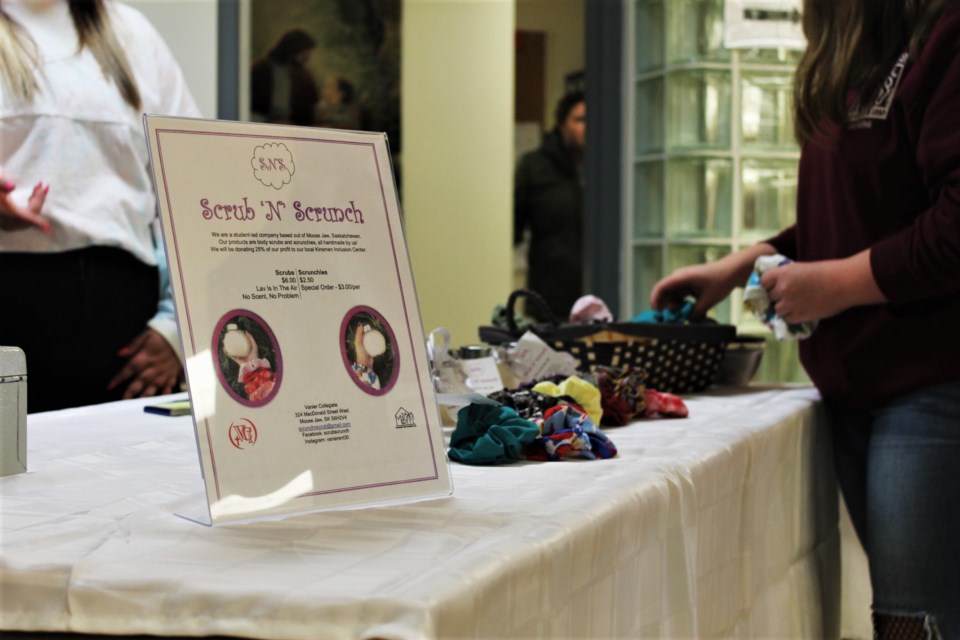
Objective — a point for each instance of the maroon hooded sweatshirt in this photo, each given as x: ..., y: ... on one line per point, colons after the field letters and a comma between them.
x: 890, y: 180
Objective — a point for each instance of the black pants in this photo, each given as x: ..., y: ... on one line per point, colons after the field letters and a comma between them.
x: 71, y: 313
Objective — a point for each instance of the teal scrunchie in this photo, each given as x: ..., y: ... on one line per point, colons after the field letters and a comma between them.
x: 490, y: 434
x: 677, y: 316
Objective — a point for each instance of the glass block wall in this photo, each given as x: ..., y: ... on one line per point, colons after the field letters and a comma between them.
x: 712, y: 160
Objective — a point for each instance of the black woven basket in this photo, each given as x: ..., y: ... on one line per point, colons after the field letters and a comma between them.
x: 678, y: 358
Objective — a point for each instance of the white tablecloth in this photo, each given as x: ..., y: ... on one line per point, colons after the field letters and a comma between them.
x: 720, y: 525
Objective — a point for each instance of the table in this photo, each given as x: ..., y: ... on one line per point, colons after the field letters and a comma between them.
x: 720, y: 525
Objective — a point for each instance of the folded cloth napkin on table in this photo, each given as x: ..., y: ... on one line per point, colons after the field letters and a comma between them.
x: 757, y: 299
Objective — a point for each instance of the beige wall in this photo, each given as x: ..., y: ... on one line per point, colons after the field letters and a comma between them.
x: 563, y: 22
x: 189, y: 28
x: 457, y: 122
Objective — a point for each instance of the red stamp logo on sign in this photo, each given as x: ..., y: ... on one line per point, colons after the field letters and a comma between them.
x: 242, y: 434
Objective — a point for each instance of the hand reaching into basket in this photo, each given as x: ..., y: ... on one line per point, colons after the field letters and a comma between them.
x: 709, y: 283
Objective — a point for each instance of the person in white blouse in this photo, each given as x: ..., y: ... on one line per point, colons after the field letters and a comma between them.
x: 81, y: 260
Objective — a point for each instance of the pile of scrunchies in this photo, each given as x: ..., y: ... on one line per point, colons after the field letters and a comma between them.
x: 557, y: 418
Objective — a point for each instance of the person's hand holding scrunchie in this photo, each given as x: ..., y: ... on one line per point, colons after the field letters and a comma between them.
x: 764, y: 295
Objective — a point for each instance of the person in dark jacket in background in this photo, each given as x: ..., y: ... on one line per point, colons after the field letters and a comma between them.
x: 548, y: 200
x: 282, y: 89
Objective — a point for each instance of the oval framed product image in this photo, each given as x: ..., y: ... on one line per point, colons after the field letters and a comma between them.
x: 248, y: 359
x: 369, y: 349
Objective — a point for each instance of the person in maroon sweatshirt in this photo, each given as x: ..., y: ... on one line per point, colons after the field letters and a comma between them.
x: 876, y: 251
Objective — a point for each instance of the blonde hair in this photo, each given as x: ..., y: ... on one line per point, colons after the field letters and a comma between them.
x: 19, y: 58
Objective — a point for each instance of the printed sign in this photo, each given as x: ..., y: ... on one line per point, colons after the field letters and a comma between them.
x: 306, y: 363
x: 763, y: 24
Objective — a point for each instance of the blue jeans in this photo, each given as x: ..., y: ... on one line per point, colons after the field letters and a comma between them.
x: 899, y: 469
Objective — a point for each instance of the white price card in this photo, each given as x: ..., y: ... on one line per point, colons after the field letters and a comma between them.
x: 308, y: 375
